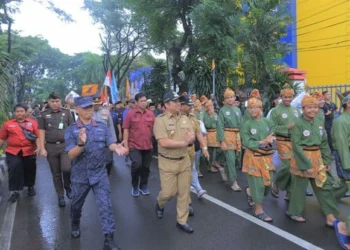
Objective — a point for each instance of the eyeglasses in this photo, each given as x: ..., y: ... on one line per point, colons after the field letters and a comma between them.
x: 253, y: 108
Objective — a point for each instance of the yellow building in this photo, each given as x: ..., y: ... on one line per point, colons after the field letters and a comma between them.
x: 322, y: 41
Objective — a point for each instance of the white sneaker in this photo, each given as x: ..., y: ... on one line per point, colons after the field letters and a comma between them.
x: 236, y: 188
x: 193, y: 190
x: 223, y: 174
x: 201, y: 193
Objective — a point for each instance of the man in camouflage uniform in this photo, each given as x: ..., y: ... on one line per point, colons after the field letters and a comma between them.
x: 102, y: 114
x: 86, y: 141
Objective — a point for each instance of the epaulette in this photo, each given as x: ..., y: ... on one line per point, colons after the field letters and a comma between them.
x: 161, y: 115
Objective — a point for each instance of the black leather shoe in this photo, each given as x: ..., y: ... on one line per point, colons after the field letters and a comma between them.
x: 76, y: 229
x: 69, y: 193
x: 14, y: 197
x: 191, y: 210
x: 31, y: 191
x: 185, y: 227
x: 61, y: 201
x: 159, y: 211
x: 109, y: 243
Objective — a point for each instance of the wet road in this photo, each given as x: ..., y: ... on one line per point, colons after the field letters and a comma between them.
x: 220, y: 220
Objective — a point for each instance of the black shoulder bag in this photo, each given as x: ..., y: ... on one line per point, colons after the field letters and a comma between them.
x: 30, y: 136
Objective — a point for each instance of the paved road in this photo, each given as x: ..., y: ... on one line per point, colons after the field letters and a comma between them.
x: 221, y: 221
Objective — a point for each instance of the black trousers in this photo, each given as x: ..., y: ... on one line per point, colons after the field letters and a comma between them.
x: 155, y: 146
x: 22, y: 171
x: 140, y: 163
x: 329, y: 137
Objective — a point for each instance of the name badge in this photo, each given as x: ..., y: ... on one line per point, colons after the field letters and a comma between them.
x: 60, y: 126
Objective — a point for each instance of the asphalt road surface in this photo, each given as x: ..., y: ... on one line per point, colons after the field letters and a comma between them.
x: 222, y: 219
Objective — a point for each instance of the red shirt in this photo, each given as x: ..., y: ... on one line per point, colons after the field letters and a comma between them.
x: 16, y: 141
x: 140, y: 126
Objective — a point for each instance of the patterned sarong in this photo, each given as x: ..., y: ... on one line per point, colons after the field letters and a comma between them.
x: 258, y: 166
x: 315, y: 157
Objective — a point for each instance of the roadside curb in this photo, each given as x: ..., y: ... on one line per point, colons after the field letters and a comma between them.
x: 3, y: 170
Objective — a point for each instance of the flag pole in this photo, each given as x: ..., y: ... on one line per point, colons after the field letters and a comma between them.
x: 214, y: 72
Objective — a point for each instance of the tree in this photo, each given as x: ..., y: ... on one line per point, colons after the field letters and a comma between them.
x: 124, y: 36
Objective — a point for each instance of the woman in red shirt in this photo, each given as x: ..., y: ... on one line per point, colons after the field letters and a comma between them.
x: 20, y: 152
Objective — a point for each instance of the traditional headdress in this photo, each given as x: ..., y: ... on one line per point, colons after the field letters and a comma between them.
x: 254, y: 102
x: 208, y: 104
x: 203, y: 99
x: 197, y: 103
x: 287, y: 90
x: 317, y: 95
x: 255, y: 94
x: 308, y: 100
x: 229, y: 92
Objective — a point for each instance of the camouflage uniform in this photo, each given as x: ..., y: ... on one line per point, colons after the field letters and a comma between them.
x: 89, y: 172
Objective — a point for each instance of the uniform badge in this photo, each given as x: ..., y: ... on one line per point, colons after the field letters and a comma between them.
x: 63, y: 114
x: 48, y: 116
x: 253, y: 131
x: 306, y: 133
x: 296, y: 113
x: 237, y: 113
x: 321, y: 130
x: 183, y: 121
x: 215, y: 117
x: 284, y: 116
x: 228, y: 113
x: 29, y: 124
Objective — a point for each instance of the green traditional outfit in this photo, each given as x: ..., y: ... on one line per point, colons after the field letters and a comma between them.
x: 229, y: 122
x: 341, y: 142
x: 311, y: 151
x: 210, y: 122
x: 281, y: 117
x: 199, y: 115
x: 320, y: 116
x: 257, y: 159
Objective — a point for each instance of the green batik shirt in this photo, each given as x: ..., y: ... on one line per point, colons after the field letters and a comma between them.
x: 229, y: 117
x: 341, y: 138
x: 282, y: 116
x: 254, y: 131
x: 210, y: 121
x: 309, y: 133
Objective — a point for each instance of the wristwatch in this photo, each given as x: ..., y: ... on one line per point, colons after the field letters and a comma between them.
x: 205, y: 148
x: 81, y: 145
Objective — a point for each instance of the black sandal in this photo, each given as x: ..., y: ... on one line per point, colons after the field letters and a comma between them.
x: 295, y: 218
x: 249, y: 198
x: 274, y: 193
x: 264, y: 217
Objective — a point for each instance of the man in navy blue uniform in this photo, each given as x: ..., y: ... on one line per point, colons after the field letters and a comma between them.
x: 85, y: 143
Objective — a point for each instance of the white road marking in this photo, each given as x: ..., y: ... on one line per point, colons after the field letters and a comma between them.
x: 288, y: 236
x: 7, y: 226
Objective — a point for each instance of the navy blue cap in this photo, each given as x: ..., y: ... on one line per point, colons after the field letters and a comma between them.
x: 170, y: 96
x: 184, y: 100
x: 83, y: 101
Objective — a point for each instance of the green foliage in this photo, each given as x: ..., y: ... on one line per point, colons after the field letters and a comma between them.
x: 154, y: 87
x: 200, y: 78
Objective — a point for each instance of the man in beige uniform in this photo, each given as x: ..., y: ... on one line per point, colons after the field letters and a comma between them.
x: 174, y: 133
x: 52, y: 124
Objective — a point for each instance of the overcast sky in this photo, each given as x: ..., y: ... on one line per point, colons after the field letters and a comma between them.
x: 81, y: 36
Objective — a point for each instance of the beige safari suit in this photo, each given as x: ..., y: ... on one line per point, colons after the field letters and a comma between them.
x: 175, y: 175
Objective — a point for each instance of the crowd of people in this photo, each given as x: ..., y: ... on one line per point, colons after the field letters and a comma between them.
x: 182, y: 132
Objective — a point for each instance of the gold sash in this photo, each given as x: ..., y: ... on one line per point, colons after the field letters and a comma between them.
x: 233, y: 138
x: 315, y: 157
x: 258, y: 166
x: 211, y: 136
